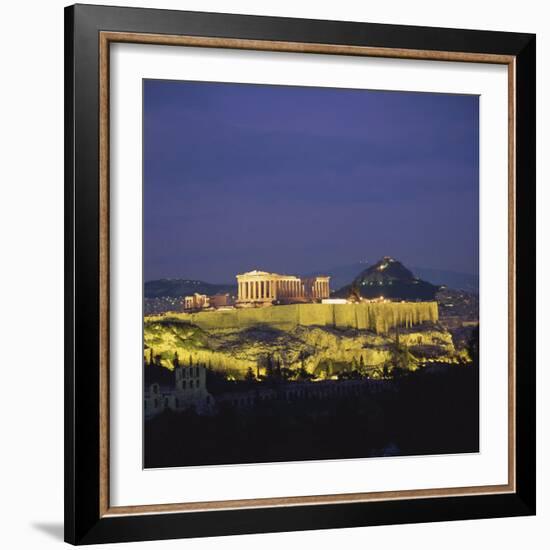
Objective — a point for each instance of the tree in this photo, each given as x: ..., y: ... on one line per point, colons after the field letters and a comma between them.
x: 269, y: 367
x: 150, y: 357
x: 176, y: 360
x: 278, y: 368
x: 249, y: 376
x: 302, y: 373
x: 354, y: 292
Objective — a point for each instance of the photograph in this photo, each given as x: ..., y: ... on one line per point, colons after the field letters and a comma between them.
x: 311, y: 273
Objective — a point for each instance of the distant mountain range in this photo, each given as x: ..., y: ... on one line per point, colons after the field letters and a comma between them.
x: 388, y: 278
x: 175, y: 288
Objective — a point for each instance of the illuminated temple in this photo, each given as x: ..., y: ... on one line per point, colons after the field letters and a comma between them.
x: 261, y: 287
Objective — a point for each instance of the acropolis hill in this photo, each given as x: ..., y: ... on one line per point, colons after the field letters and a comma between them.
x: 298, y: 321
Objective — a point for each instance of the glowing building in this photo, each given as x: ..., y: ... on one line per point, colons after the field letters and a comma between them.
x: 263, y: 288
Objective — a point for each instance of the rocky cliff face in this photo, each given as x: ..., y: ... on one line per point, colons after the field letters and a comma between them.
x: 316, y: 349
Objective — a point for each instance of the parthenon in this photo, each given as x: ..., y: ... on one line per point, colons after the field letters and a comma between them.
x: 261, y: 287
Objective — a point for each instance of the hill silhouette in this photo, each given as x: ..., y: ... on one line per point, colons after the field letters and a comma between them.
x: 388, y: 278
x: 174, y: 288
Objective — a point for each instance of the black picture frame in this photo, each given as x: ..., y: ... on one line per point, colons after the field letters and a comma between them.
x: 84, y: 524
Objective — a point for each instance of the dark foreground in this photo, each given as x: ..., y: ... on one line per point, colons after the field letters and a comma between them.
x: 434, y: 411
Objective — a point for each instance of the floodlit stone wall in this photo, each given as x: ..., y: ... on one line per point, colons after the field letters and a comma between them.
x: 377, y: 317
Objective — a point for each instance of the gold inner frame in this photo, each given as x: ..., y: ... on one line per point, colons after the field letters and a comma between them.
x: 105, y: 39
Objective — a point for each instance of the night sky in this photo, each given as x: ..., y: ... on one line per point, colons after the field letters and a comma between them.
x: 300, y: 180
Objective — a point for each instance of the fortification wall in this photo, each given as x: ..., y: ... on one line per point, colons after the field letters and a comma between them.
x: 378, y: 317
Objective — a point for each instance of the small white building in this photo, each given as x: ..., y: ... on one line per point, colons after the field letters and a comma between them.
x: 189, y: 392
x: 196, y: 301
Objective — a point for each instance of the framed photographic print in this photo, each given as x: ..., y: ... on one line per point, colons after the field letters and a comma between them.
x: 299, y: 274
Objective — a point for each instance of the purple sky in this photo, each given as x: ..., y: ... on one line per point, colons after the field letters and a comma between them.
x: 298, y: 180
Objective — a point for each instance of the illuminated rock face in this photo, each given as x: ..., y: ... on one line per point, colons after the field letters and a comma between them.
x: 311, y: 336
x: 314, y: 348
x: 261, y: 287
